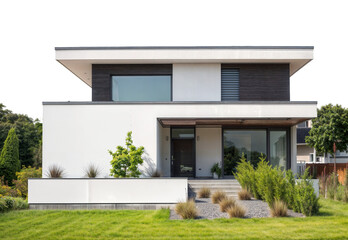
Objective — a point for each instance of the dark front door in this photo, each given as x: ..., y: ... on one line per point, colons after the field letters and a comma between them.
x: 183, y: 158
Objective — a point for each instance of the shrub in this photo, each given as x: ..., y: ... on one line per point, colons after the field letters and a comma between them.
x: 125, y: 161
x: 345, y: 198
x: 92, y: 171
x: 227, y: 203
x: 20, y: 203
x: 331, y: 185
x: 322, y: 185
x: 305, y: 200
x: 218, y: 196
x: 340, y: 193
x: 9, y: 158
x: 10, y: 203
x: 216, y: 169
x: 271, y: 183
x: 279, y: 209
x: 3, y: 206
x: 204, y: 193
x: 245, y: 174
x: 6, y: 190
x: 236, y: 211
x: 187, y: 210
x: 55, y: 171
x: 244, y: 194
x: 21, y: 184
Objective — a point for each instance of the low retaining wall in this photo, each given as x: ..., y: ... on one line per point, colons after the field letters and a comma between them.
x: 108, y: 191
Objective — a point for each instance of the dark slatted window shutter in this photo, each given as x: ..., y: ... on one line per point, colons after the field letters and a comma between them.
x: 229, y: 84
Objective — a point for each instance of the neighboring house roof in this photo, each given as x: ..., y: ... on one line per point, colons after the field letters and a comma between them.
x: 79, y: 60
x: 301, y: 135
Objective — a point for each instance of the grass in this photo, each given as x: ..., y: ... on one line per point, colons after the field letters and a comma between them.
x: 244, y: 194
x: 279, y: 209
x: 187, y: 210
x: 236, y: 211
x: 204, y: 193
x: 101, y: 224
x: 218, y: 196
x: 227, y: 203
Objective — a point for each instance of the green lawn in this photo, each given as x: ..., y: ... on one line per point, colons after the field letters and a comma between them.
x: 100, y: 224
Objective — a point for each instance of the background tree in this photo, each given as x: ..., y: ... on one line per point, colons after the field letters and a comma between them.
x: 9, y: 158
x: 29, y: 133
x: 329, y: 127
x: 126, y: 160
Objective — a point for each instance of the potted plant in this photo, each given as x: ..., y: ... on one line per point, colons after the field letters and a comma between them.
x: 216, y: 170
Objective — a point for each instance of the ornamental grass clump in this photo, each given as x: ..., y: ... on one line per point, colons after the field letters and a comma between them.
x: 187, y: 210
x: 227, y: 203
x: 92, y: 171
x: 236, y: 211
x: 55, y: 171
x: 218, y: 196
x: 244, y: 194
x: 279, y: 209
x: 204, y: 193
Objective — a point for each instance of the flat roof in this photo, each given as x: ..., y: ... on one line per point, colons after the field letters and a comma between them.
x: 183, y: 47
x: 79, y: 60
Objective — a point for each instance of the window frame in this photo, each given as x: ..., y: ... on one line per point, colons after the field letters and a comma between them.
x: 135, y: 75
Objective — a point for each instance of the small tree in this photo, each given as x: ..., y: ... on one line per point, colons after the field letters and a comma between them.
x: 126, y: 160
x: 329, y: 127
x: 9, y: 158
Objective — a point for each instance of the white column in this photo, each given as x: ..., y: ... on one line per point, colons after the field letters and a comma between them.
x: 293, y: 148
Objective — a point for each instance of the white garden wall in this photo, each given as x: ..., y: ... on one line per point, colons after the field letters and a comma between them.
x: 98, y: 191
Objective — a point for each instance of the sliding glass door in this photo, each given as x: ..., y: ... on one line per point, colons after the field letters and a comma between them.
x: 253, y: 143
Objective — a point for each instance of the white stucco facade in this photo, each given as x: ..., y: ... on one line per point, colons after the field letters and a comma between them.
x: 78, y: 134
x: 196, y: 82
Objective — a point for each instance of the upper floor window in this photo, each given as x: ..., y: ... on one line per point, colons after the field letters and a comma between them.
x: 229, y: 84
x: 142, y: 88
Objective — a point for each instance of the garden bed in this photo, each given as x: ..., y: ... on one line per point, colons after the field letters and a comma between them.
x: 254, y: 209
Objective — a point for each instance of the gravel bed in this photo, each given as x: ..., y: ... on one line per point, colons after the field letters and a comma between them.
x: 254, y: 209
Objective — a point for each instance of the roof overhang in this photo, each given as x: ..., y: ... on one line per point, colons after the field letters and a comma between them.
x: 79, y: 60
x: 230, y: 122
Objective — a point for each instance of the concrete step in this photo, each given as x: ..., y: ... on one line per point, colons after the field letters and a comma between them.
x: 230, y: 186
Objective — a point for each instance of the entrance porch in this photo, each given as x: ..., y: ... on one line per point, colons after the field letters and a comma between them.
x: 190, y: 147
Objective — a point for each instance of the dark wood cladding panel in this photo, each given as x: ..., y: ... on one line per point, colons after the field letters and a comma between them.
x: 263, y: 82
x: 101, y: 76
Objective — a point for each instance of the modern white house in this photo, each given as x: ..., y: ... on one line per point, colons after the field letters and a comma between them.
x: 190, y: 107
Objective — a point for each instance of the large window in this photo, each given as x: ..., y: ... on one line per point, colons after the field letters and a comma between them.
x: 141, y: 88
x: 278, y: 148
x: 251, y: 143
x: 272, y: 143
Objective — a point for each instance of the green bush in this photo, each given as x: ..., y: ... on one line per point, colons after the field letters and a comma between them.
x: 21, y: 184
x: 340, y: 193
x: 9, y: 158
x: 305, y: 200
x: 274, y: 184
x: 216, y: 169
x: 10, y: 203
x: 331, y: 186
x: 245, y: 174
x: 271, y: 183
x: 126, y: 160
x: 3, y: 206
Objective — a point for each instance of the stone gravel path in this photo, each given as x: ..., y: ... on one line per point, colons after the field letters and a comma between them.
x: 254, y: 209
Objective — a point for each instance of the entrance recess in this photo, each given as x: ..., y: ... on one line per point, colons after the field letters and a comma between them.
x: 183, y: 152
